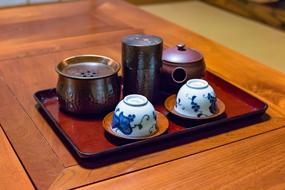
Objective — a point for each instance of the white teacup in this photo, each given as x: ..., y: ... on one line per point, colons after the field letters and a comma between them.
x: 134, y: 116
x: 196, y: 99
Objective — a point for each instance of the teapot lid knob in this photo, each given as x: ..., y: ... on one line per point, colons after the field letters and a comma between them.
x: 180, y: 46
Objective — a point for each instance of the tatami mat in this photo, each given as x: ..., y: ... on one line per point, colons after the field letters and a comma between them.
x: 260, y: 42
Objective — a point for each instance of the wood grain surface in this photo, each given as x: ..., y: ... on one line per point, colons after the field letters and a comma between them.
x: 11, y: 168
x: 34, y: 39
x: 31, y: 147
x: 197, y: 143
x: 254, y: 163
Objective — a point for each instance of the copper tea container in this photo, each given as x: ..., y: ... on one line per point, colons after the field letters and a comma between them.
x: 141, y: 59
x: 88, y: 84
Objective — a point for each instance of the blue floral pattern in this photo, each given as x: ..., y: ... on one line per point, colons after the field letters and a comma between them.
x: 123, y: 123
x: 196, y: 108
x: 154, y: 115
x: 153, y: 127
x: 212, y: 99
x: 194, y: 105
x: 178, y: 103
x: 139, y: 125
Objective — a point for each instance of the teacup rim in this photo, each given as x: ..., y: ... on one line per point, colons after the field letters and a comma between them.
x: 142, y: 98
x: 204, y: 84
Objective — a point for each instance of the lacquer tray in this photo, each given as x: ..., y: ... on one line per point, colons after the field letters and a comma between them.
x: 89, y: 140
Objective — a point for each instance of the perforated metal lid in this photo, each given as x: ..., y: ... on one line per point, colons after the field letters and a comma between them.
x: 87, y: 67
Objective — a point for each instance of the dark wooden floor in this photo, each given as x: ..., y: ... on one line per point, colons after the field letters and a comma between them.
x: 270, y: 13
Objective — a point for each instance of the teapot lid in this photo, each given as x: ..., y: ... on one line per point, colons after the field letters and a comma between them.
x: 181, y: 54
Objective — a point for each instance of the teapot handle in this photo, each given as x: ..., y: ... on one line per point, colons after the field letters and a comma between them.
x: 179, y: 75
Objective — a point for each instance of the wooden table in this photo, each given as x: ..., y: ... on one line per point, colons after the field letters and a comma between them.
x: 34, y: 39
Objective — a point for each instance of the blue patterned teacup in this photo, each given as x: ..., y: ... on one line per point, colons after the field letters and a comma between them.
x: 196, y: 99
x: 134, y: 116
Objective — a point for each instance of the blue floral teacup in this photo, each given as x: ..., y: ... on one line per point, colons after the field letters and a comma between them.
x: 196, y: 99
x: 134, y: 116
